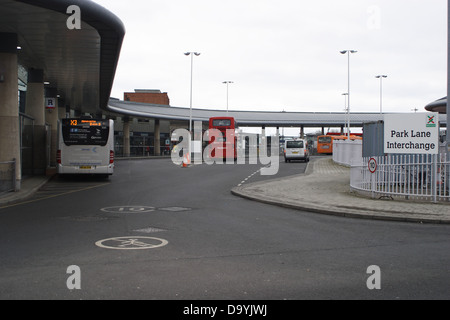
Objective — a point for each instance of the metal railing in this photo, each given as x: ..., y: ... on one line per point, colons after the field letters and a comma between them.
x: 140, y: 151
x: 8, y: 176
x: 412, y: 177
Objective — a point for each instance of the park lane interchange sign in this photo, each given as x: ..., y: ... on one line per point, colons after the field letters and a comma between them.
x: 416, y: 133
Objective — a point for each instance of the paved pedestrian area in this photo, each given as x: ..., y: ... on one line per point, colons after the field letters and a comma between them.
x: 325, y: 188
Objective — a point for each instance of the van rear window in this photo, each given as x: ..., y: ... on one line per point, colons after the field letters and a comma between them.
x: 294, y: 144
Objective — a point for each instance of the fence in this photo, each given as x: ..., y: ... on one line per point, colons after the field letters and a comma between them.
x: 414, y: 177
x: 347, y: 152
x: 8, y: 176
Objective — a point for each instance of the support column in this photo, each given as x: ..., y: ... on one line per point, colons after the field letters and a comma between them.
x: 126, y: 137
x: 9, y: 112
x: 157, y: 138
x: 51, y: 117
x: 302, y: 132
x: 35, y: 108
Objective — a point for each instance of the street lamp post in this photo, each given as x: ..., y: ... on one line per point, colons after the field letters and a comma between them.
x: 190, y: 103
x: 345, y: 103
x: 348, y: 91
x: 381, y: 76
x: 227, y: 83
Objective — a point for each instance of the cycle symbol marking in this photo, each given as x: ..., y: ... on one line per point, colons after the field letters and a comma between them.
x: 131, y: 243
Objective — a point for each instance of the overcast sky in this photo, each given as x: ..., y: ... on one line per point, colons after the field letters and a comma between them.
x: 284, y: 54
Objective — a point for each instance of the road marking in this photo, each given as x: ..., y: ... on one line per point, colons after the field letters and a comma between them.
x: 131, y: 243
x: 246, y: 179
x: 128, y: 209
x: 175, y: 209
x: 149, y: 230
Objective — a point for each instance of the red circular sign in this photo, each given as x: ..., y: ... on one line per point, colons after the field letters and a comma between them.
x: 372, y: 165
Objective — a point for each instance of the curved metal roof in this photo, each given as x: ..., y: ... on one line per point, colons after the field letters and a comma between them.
x: 80, y: 64
x: 247, y: 118
x: 438, y: 106
x: 244, y: 118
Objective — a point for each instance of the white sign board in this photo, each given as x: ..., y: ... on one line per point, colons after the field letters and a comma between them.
x: 411, y: 133
x: 50, y: 103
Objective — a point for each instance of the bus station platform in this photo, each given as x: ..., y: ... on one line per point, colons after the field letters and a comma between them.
x: 325, y: 188
x: 29, y: 186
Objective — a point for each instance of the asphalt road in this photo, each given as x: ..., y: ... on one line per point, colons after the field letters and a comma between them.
x: 204, y: 243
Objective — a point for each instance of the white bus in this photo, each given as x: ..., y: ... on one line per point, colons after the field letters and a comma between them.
x: 85, y: 146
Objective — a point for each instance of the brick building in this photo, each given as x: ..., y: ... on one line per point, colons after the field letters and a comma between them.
x: 147, y: 96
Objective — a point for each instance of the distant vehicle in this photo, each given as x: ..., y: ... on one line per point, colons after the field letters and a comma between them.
x: 85, y: 146
x: 325, y: 142
x: 296, y: 149
x: 227, y: 142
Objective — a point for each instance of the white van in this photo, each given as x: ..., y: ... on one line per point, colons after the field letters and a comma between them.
x: 296, y: 149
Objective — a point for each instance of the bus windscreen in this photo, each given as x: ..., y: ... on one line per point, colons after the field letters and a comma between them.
x: 85, y: 132
x: 324, y: 139
x: 221, y: 122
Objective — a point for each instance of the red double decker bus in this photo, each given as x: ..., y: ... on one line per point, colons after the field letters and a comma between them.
x: 223, y: 144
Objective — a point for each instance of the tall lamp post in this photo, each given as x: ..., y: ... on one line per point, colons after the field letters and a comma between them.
x: 345, y: 103
x: 227, y: 83
x: 190, y: 103
x: 348, y: 91
x: 381, y: 76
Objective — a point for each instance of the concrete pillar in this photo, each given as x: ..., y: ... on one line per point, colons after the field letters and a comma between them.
x: 302, y: 132
x: 126, y: 137
x: 35, y: 108
x: 323, y: 130
x: 9, y: 110
x: 51, y: 117
x: 157, y: 138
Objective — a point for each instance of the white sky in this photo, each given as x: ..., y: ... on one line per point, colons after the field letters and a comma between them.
x: 284, y: 54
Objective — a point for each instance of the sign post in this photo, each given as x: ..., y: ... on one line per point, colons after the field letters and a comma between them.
x: 372, y: 168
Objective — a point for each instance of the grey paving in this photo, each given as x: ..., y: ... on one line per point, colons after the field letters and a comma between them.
x: 325, y: 188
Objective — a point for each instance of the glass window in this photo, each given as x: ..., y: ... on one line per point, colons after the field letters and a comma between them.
x: 221, y: 122
x: 85, y: 132
x: 324, y: 139
x: 294, y: 144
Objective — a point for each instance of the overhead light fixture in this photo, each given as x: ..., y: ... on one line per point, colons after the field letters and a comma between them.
x: 46, y: 83
x: 19, y: 48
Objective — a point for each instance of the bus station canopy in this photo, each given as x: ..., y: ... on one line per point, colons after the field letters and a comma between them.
x: 248, y: 118
x: 79, y: 63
